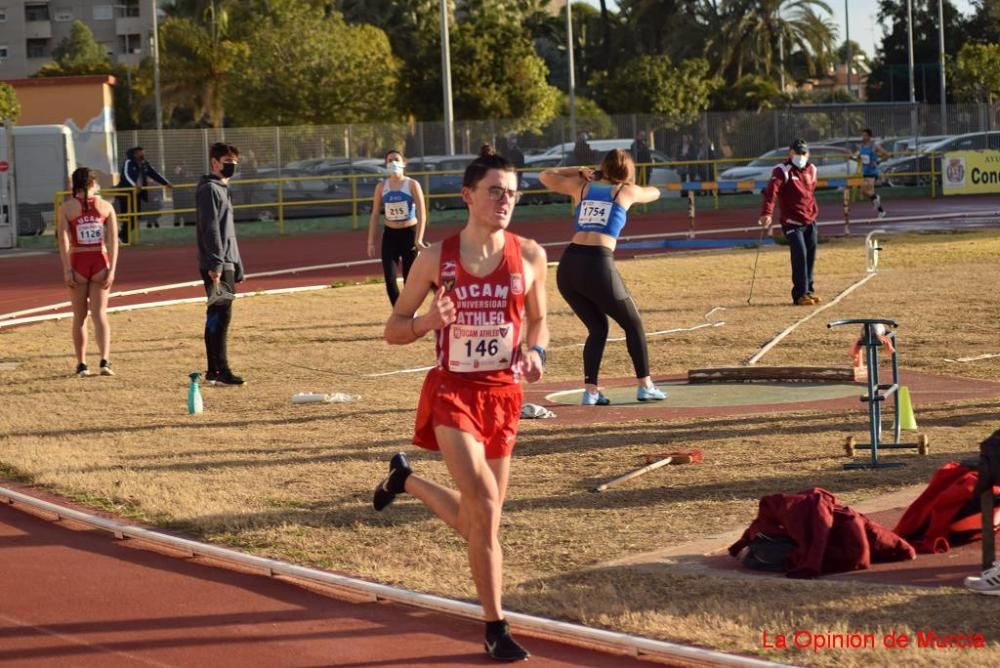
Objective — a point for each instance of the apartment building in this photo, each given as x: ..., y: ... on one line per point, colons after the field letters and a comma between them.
x: 30, y: 30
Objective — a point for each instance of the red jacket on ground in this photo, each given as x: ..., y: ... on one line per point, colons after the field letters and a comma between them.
x: 795, y: 190
x: 942, y: 515
x: 829, y: 537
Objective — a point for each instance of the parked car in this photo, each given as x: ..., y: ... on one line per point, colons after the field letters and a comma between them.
x: 443, y: 191
x: 529, y: 181
x: 913, y: 170
x: 832, y: 162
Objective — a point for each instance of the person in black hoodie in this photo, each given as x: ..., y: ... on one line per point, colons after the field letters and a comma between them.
x: 218, y: 258
x: 136, y: 173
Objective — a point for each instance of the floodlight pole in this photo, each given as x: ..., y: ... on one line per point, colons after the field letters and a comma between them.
x: 449, y: 122
x: 847, y: 43
x: 909, y: 49
x: 944, y: 104
x: 155, y: 48
x: 572, y: 73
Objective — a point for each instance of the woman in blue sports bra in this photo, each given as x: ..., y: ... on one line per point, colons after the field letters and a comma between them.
x: 587, y: 277
x: 400, y: 201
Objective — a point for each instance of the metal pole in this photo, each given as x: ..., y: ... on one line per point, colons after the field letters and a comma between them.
x: 156, y: 86
x: 572, y: 73
x: 449, y: 122
x: 944, y: 104
x: 909, y: 47
x: 781, y: 61
x: 847, y: 42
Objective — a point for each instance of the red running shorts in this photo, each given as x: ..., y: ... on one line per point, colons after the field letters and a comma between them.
x: 489, y: 413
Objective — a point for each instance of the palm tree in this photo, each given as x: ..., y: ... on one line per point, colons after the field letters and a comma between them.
x: 758, y: 35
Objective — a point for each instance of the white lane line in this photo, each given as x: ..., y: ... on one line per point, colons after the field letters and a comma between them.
x: 74, y: 640
x: 168, y: 302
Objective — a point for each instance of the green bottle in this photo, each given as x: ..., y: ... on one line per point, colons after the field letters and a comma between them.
x: 194, y: 394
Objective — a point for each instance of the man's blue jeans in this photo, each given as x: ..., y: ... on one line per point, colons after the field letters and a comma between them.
x: 802, y: 242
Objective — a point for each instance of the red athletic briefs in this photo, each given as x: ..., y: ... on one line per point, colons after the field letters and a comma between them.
x: 489, y: 413
x: 89, y: 264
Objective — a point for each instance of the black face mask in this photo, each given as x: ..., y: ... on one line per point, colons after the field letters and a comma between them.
x: 228, y: 169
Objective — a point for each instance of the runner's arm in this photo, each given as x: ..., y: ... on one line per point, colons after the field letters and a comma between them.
x: 535, y: 307
x: 403, y: 326
x: 418, y: 201
x: 373, y: 218
x: 566, y: 180
x: 62, y: 232
x: 111, y: 238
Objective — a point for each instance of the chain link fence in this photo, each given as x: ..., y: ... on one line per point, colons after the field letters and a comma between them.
x: 182, y: 155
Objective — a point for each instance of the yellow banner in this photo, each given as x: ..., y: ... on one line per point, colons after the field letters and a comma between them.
x: 970, y: 173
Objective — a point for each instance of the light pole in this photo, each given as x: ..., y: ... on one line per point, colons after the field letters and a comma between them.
x: 155, y: 48
x: 944, y: 105
x: 847, y: 43
x: 572, y: 73
x: 909, y: 49
x: 449, y: 123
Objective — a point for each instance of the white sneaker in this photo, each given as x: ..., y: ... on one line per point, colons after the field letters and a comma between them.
x: 881, y: 214
x: 988, y: 583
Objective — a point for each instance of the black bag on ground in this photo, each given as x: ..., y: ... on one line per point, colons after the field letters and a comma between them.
x: 768, y: 553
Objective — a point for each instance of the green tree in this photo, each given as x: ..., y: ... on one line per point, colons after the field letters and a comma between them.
x: 652, y: 84
x: 760, y: 36
x: 496, y: 74
x: 889, y: 78
x: 975, y: 76
x: 196, y: 61
x: 77, y: 54
x: 10, y: 108
x: 310, y: 67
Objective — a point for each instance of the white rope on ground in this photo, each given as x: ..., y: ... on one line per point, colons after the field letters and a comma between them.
x: 975, y: 358
x: 788, y: 330
x: 190, y: 284
x: 565, y: 631
x: 168, y: 302
x: 633, y: 237
x: 395, y: 373
x: 707, y: 323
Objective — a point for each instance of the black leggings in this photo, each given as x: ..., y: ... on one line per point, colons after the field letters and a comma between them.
x: 217, y: 319
x: 398, y: 246
x: 591, y: 285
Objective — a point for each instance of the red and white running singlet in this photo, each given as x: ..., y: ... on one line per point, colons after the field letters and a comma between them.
x: 86, y: 231
x: 482, y: 344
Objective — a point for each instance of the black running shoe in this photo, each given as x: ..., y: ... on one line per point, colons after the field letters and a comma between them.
x: 106, y: 368
x: 503, y: 647
x: 210, y: 377
x: 227, y: 377
x: 81, y: 370
x: 394, y: 483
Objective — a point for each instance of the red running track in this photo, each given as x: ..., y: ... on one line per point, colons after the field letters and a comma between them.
x: 32, y: 281
x: 76, y: 597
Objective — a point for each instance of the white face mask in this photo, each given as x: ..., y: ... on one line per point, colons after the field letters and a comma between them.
x: 395, y: 167
x: 799, y: 160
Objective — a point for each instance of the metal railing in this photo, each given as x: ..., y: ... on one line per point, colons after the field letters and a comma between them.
x: 279, y: 198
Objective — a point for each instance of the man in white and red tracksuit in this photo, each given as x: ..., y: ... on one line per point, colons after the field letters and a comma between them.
x: 793, y: 183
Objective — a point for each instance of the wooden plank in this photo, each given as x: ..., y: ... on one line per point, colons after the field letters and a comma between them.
x: 773, y: 374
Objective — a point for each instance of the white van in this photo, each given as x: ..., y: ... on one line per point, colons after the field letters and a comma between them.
x: 42, y: 163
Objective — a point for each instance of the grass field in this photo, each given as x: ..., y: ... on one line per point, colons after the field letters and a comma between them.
x: 294, y: 481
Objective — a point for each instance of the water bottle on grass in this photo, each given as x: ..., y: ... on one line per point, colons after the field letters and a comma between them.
x: 195, y: 405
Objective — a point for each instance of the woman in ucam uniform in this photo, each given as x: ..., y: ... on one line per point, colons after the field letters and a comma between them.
x: 489, y: 294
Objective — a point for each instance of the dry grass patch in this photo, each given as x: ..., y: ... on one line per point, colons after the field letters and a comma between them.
x: 294, y: 481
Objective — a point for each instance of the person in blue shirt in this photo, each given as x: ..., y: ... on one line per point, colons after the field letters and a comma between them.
x: 870, y: 153
x: 587, y: 277
x: 400, y: 201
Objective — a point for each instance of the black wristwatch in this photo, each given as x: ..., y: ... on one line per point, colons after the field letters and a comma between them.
x: 541, y: 352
